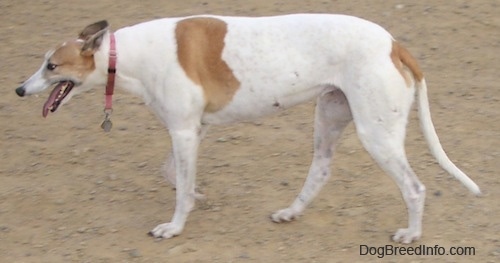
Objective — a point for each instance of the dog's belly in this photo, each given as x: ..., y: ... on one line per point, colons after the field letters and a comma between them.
x: 251, y: 103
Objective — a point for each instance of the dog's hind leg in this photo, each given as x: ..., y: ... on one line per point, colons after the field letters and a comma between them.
x: 380, y: 121
x: 331, y: 117
x: 388, y: 151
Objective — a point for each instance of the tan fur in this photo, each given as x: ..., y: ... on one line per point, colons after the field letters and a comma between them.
x: 71, y: 62
x: 402, y: 58
x: 200, y: 42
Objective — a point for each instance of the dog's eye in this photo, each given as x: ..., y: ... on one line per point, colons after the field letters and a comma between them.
x: 51, y: 66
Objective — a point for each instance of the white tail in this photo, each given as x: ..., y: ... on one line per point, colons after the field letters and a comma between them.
x: 435, y: 146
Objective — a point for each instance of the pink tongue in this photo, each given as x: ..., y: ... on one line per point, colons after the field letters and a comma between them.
x: 52, y: 98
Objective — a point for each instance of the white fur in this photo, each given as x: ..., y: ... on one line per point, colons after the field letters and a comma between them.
x: 344, y: 62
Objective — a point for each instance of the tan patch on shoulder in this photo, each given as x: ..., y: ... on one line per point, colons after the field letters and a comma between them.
x: 404, y: 61
x: 200, y: 42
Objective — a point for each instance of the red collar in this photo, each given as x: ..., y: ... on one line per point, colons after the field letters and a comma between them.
x: 110, y: 86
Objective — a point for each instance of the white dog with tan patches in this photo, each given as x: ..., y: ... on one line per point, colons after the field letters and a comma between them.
x: 202, y: 70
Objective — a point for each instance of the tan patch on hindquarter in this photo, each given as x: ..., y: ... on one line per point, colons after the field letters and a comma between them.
x: 70, y: 61
x: 402, y: 58
x: 200, y: 42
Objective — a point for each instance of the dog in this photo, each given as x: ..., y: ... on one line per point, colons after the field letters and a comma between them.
x: 205, y: 70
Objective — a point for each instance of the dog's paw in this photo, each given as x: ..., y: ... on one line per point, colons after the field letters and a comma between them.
x: 284, y: 215
x: 406, y: 236
x: 167, y: 230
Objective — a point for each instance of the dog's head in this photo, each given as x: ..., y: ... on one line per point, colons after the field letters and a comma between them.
x: 67, y: 68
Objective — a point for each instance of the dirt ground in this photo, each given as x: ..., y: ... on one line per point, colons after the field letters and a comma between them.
x: 72, y: 193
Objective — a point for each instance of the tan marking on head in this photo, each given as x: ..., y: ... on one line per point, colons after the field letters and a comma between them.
x: 200, y: 42
x: 402, y: 59
x: 71, y: 62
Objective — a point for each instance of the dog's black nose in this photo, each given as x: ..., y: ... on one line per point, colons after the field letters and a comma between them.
x: 20, y: 91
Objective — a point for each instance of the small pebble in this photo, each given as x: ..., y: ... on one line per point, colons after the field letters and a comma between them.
x: 134, y: 253
x: 221, y: 139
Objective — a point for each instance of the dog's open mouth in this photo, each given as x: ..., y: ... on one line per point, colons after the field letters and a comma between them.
x: 60, y: 91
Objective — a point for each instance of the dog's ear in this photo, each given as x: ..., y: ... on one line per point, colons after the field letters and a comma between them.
x: 92, y: 37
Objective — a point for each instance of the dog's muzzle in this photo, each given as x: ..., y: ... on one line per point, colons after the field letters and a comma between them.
x: 20, y: 91
x: 60, y: 91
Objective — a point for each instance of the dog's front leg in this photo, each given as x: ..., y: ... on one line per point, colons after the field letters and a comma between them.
x: 185, y: 144
x: 168, y: 169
